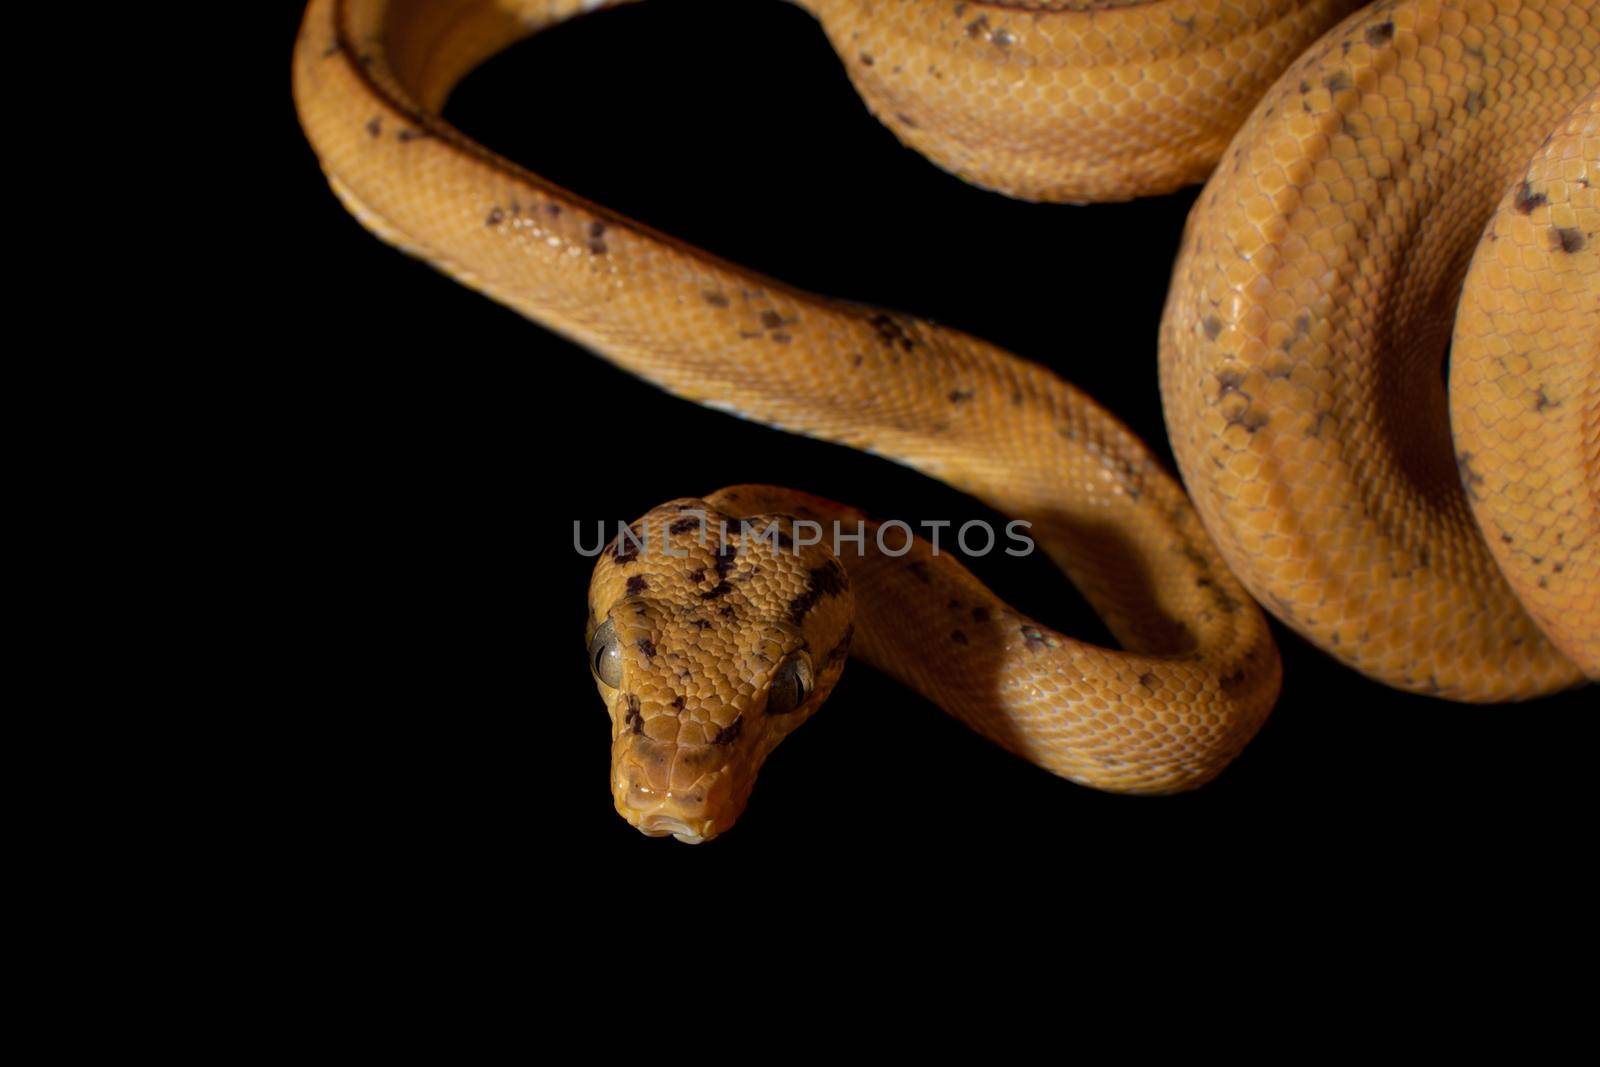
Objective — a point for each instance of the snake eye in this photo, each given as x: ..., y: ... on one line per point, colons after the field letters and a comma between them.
x: 791, y: 685
x: 605, y: 655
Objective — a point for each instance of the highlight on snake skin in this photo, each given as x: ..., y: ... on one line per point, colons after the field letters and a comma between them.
x: 1385, y: 184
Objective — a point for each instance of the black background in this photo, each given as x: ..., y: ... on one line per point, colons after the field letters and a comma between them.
x: 448, y: 446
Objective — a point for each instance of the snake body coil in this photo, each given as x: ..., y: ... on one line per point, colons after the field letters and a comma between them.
x: 1310, y: 311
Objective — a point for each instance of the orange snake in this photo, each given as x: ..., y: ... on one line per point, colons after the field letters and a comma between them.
x: 1310, y: 310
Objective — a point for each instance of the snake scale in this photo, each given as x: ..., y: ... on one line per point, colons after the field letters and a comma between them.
x: 1371, y: 170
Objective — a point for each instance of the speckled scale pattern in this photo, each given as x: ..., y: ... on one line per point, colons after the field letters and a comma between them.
x: 1198, y: 673
x: 1301, y: 352
x: 1310, y: 312
x: 705, y: 611
x: 1070, y: 101
x: 1525, y: 385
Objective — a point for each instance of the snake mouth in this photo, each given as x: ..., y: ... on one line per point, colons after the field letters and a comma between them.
x: 662, y: 825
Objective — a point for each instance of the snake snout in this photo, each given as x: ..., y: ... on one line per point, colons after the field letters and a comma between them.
x: 686, y: 792
x: 661, y: 825
x: 686, y: 819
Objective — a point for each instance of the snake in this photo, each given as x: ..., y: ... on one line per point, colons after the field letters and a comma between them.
x: 1379, y: 367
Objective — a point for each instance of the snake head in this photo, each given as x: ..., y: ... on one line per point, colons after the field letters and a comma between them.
x: 711, y: 637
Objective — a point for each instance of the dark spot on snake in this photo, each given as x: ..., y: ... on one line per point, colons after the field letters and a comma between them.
x: 716, y: 300
x: 727, y: 556
x: 726, y: 611
x: 597, y: 245
x: 637, y: 585
x: 1474, y: 102
x: 958, y: 637
x: 1148, y: 680
x: 978, y: 26
x: 1568, y: 238
x: 1035, y: 637
x: 891, y: 333
x: 980, y: 614
x: 729, y: 733
x: 1470, y: 479
x: 1228, y: 381
x: 920, y: 569
x: 1526, y: 199
x: 1305, y: 87
x: 1542, y: 401
x: 961, y: 396
x: 677, y: 702
x: 1125, y: 473
x: 721, y: 589
x: 1212, y: 327
x: 1337, y: 82
x: 407, y: 135
x: 906, y: 120
x: 867, y: 60
x: 697, y: 575
x: 820, y: 582
x: 1381, y: 34
x: 374, y: 126
x: 647, y: 646
x: 496, y: 217
x: 702, y: 624
x: 633, y: 718
x: 683, y: 526
x: 771, y: 320
x: 553, y: 209
x: 1249, y: 418
x: 624, y: 548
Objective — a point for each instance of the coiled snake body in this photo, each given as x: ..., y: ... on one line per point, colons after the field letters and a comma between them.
x: 1311, y: 307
